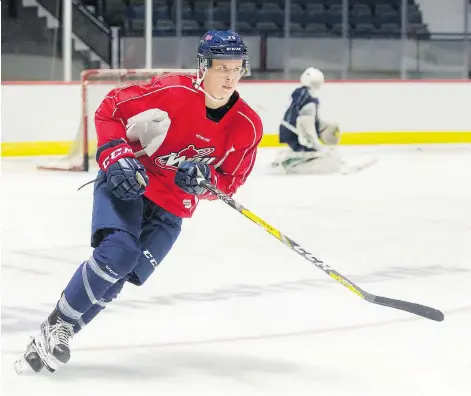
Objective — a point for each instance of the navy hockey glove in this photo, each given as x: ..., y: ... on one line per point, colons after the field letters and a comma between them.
x: 186, y: 175
x: 126, y: 176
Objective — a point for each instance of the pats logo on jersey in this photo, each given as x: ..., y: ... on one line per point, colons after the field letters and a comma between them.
x: 190, y: 153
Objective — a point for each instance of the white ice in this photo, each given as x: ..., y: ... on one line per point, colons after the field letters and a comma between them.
x: 231, y: 311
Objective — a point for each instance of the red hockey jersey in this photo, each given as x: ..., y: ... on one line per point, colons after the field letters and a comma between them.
x: 228, y: 146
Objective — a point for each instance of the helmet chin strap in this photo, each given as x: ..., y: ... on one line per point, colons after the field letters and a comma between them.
x: 197, y: 84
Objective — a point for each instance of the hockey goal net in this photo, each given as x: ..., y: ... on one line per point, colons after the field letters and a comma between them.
x: 95, y: 84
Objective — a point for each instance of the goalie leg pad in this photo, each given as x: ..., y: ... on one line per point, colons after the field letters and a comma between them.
x: 306, y: 162
x: 320, y: 165
x: 287, y: 159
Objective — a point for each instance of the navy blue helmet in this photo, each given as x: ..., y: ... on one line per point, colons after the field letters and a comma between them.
x: 222, y: 44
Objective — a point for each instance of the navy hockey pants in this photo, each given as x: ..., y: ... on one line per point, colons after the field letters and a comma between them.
x: 130, y: 239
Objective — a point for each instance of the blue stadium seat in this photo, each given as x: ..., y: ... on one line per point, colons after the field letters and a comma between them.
x: 250, y: 5
x: 330, y: 3
x: 161, y: 12
x: 158, y: 3
x: 305, y: 3
x: 138, y: 12
x: 245, y: 2
x: 315, y: 17
x: 270, y: 12
x: 297, y: 14
x: 333, y: 16
x: 384, y: 8
x: 222, y: 14
x: 216, y: 25
x: 361, y: 9
x: 337, y: 29
x: 187, y: 10
x: 390, y: 30
x: 164, y: 26
x: 364, y: 30
x: 199, y: 4
x: 361, y: 13
x: 414, y: 16
x: 202, y: 4
x: 317, y: 29
x: 319, y: 7
x: 137, y: 25
x: 200, y: 15
x: 244, y: 27
x: 395, y: 3
x: 336, y: 7
x: 296, y: 29
x: 246, y: 12
x: 190, y: 26
x: 271, y: 5
x: 388, y: 17
x: 267, y: 27
x: 355, y: 19
x: 413, y: 7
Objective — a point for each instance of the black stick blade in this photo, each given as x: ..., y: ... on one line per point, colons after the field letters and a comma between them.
x: 417, y: 309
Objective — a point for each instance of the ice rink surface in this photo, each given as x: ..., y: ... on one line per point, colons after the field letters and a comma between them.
x: 231, y: 311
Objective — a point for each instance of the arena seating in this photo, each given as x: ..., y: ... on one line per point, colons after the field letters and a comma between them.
x: 367, y: 18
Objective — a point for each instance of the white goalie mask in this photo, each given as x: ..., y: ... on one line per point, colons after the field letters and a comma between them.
x: 313, y: 79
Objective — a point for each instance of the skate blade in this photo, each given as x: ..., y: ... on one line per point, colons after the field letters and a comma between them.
x: 21, y: 366
x: 34, y: 364
x: 33, y: 359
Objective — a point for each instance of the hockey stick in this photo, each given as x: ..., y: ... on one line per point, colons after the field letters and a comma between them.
x: 417, y: 309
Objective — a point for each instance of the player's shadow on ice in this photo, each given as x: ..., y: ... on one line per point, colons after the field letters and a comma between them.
x: 154, y: 364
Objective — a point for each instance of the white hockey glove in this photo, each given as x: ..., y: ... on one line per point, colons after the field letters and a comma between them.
x: 329, y: 133
x: 149, y: 128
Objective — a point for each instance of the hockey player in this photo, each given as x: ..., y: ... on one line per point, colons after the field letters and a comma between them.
x: 153, y: 141
x: 304, y: 131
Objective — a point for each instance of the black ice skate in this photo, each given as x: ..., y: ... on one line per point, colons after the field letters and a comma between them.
x: 36, y: 357
x: 49, y: 348
x: 57, y: 333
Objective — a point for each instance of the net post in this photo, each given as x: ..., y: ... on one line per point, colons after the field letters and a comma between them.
x: 84, y: 82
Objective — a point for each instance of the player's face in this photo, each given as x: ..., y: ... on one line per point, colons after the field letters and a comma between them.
x: 222, y: 77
